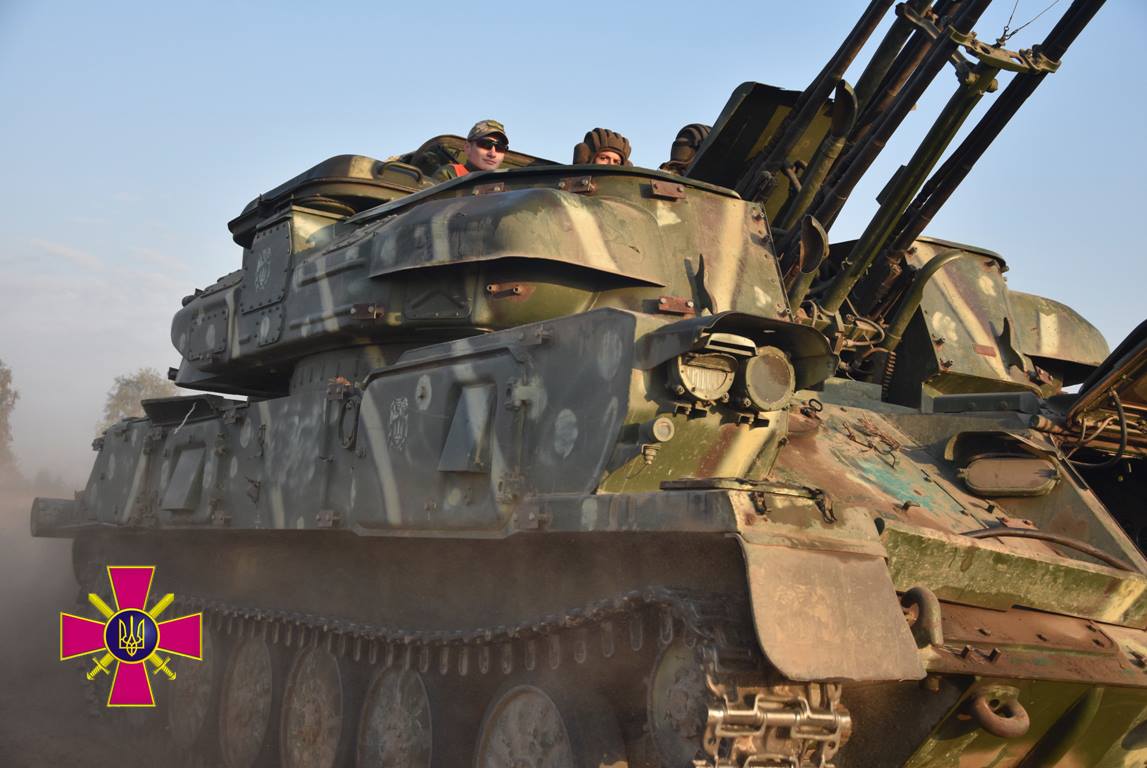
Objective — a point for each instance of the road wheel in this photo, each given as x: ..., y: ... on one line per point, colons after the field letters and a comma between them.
x: 311, y: 731
x: 677, y: 704
x: 528, y: 726
x: 191, y: 699
x: 246, y: 701
x: 395, y: 726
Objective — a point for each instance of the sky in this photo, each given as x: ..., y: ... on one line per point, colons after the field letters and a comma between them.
x: 131, y: 132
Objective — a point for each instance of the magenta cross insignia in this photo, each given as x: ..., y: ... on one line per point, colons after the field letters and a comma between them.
x: 130, y: 637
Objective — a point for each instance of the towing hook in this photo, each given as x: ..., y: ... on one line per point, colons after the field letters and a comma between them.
x: 1000, y: 713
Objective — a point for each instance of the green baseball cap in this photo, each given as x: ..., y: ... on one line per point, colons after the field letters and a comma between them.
x: 484, y: 128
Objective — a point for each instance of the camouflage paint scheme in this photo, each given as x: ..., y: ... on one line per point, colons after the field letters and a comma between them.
x: 536, y: 427
x: 501, y: 372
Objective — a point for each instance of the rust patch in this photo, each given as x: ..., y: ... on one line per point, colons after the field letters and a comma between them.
x: 676, y: 305
x: 726, y: 434
x: 666, y: 190
x: 578, y: 184
x: 857, y: 474
x: 490, y: 189
x: 1018, y: 640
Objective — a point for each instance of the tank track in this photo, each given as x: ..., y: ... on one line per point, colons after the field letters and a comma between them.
x: 740, y: 713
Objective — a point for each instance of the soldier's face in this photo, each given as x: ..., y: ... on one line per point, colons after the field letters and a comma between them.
x: 486, y: 153
x: 607, y: 157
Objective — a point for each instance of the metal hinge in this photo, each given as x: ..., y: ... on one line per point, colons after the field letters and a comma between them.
x: 579, y: 184
x: 490, y: 189
x: 509, y: 290
x: 367, y: 312
x: 676, y: 305
x: 667, y: 190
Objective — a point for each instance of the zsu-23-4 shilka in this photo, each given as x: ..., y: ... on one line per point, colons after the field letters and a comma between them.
x: 606, y: 466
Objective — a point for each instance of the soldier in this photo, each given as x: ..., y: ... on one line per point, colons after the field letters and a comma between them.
x: 685, y: 146
x: 602, y: 146
x: 486, y: 146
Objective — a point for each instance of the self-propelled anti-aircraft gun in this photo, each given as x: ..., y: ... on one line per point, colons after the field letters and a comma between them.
x: 589, y: 466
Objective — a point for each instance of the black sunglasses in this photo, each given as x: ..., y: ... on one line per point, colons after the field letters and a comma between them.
x: 492, y: 144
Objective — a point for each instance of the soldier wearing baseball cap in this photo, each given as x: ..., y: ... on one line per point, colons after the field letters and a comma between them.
x: 486, y: 146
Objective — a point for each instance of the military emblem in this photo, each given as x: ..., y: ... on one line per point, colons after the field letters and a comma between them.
x: 398, y: 422
x: 263, y: 269
x: 130, y: 637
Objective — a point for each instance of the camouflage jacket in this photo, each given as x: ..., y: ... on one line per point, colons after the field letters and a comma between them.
x: 451, y: 171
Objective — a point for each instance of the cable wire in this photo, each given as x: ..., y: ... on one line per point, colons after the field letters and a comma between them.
x: 1122, y: 440
x: 1008, y: 34
x: 1053, y: 538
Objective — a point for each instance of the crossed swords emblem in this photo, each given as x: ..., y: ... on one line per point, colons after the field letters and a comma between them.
x: 104, y: 663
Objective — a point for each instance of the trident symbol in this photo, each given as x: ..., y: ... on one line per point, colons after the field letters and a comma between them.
x: 103, y: 664
x: 130, y: 636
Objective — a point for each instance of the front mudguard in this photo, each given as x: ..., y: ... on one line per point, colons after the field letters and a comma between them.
x: 823, y: 603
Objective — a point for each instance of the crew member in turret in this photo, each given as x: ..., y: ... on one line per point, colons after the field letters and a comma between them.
x: 684, y: 149
x: 486, y: 146
x: 602, y: 146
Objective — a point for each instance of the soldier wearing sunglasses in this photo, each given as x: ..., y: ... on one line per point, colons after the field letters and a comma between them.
x: 486, y: 146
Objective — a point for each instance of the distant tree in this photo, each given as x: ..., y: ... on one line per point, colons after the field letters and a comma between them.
x: 47, y: 482
x: 125, y: 395
x: 8, y: 397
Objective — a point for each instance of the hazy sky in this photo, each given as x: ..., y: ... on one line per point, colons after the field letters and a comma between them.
x: 132, y: 132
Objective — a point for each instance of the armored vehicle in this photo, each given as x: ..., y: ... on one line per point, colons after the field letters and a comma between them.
x: 606, y: 466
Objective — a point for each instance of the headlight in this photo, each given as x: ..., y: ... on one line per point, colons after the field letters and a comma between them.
x: 767, y: 381
x: 760, y: 379
x: 705, y: 376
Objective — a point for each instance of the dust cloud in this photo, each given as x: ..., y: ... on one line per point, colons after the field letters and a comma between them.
x: 50, y: 715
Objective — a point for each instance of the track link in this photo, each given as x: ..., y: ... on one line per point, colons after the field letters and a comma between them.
x: 741, y: 715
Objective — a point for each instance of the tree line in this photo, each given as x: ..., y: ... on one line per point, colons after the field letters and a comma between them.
x: 122, y: 402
